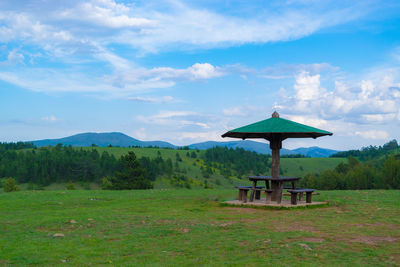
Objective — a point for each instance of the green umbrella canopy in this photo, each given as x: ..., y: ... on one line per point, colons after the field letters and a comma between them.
x: 276, y: 127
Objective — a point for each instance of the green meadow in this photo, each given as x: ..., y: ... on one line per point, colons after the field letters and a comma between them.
x: 172, y: 227
x: 191, y: 166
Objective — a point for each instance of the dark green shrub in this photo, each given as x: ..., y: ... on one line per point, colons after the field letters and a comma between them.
x: 10, y: 185
x: 106, y: 184
x: 70, y: 186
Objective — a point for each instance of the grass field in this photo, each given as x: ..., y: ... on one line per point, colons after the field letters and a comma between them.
x: 190, y: 227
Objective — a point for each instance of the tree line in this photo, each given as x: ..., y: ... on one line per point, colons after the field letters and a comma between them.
x: 383, y: 173
x: 237, y: 161
x: 370, y: 152
x: 43, y: 166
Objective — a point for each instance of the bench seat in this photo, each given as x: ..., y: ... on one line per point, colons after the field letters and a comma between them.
x: 243, y: 192
x: 300, y: 191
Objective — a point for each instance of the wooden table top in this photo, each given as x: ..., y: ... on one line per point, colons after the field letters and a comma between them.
x: 269, y: 178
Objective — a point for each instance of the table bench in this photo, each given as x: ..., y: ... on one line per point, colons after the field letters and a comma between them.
x: 243, y: 192
x: 276, y: 185
x: 268, y: 193
x: 294, y: 192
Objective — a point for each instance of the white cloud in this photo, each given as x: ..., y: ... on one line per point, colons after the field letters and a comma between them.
x: 177, y: 119
x: 374, y: 134
x: 365, y: 102
x: 164, y: 24
x: 379, y: 117
x: 15, y: 57
x: 311, y: 121
x: 199, y: 136
x: 203, y: 71
x: 126, y: 80
x: 235, y: 111
x: 77, y: 34
x: 105, y: 13
x: 307, y: 87
x: 141, y: 133
x: 284, y: 71
x: 173, y: 114
x: 50, y: 119
x: 164, y: 99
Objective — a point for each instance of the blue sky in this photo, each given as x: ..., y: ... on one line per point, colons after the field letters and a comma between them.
x: 188, y: 71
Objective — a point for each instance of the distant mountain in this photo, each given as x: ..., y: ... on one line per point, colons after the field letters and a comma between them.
x: 101, y: 139
x: 315, y: 152
x: 258, y: 147
x: 123, y: 140
x: 264, y: 148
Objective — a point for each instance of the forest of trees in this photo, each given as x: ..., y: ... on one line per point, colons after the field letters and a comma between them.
x: 59, y: 164
x: 370, y: 152
x: 237, y: 161
x: 381, y: 173
x: 368, y: 168
x: 43, y: 166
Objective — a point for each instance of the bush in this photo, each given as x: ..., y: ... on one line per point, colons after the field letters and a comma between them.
x: 70, y: 186
x: 106, y: 184
x: 131, y: 176
x: 10, y: 185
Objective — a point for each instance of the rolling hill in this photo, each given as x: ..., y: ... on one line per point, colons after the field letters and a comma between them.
x: 101, y: 139
x: 123, y: 140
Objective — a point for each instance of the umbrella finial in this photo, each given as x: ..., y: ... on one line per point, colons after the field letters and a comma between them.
x: 275, y: 115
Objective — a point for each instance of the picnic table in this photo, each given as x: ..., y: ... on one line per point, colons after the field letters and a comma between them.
x: 276, y: 185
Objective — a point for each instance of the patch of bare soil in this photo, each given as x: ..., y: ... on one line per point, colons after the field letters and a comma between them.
x: 395, y: 258
x: 313, y: 239
x: 178, y: 223
x: 175, y: 253
x: 373, y: 240
x: 184, y: 230
x: 303, y: 226
x: 378, y: 225
x: 246, y: 210
x: 336, y: 209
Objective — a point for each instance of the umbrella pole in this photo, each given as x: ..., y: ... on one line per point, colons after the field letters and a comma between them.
x: 275, y: 145
x: 275, y: 163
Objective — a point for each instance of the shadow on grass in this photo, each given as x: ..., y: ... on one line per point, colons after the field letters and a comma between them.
x: 279, y: 208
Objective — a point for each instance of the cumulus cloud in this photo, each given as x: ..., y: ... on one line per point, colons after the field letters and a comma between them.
x: 284, y: 71
x: 307, y: 87
x: 364, y: 102
x: 373, y: 134
x: 79, y: 34
x: 125, y: 81
x: 204, y: 71
x: 312, y: 121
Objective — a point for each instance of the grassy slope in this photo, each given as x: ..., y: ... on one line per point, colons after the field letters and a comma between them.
x: 188, y: 227
x: 191, y: 167
x: 303, y: 166
x: 290, y: 166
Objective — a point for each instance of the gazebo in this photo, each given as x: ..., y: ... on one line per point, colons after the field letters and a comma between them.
x: 275, y: 130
